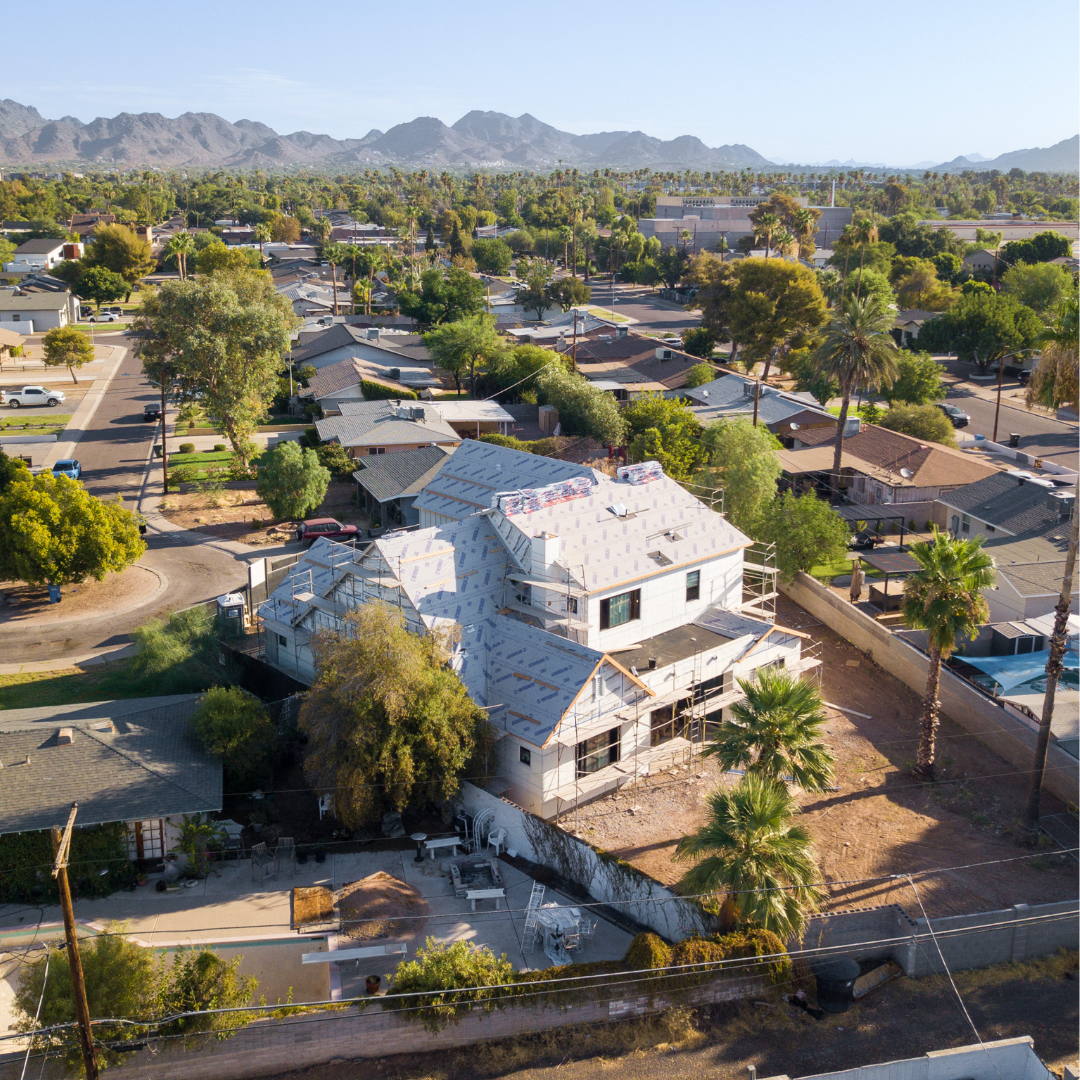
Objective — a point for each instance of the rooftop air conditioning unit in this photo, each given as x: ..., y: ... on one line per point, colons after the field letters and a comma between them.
x: 664, y: 354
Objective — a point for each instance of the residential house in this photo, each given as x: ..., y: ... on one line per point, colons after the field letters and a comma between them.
x: 386, y: 427
x: 343, y: 381
x: 558, y: 332
x: 599, y: 621
x: 908, y: 323
x: 34, y: 256
x: 882, y: 467
x: 783, y: 413
x: 83, y: 225
x: 135, y: 761
x: 32, y: 311
x: 984, y: 261
x: 629, y: 365
x: 1008, y: 503
x: 388, y: 485
x: 372, y: 344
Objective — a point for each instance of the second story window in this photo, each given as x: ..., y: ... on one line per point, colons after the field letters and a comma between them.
x: 693, y: 585
x: 617, y: 610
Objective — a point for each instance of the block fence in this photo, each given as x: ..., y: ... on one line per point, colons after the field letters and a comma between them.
x: 985, y: 720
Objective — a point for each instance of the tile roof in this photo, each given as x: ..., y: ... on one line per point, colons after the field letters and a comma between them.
x: 390, y: 476
x: 380, y: 423
x: 478, y: 470
x: 147, y: 765
x: 1006, y: 502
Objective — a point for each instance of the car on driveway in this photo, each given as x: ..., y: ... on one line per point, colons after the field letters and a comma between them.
x: 957, y: 416
x: 69, y: 467
x: 30, y: 396
x: 315, y: 528
x: 105, y: 316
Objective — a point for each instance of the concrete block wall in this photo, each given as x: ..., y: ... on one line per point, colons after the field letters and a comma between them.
x: 965, y: 706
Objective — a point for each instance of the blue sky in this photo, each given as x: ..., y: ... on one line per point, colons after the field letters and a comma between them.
x: 873, y: 81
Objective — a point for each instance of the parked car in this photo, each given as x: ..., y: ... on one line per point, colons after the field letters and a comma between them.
x: 1024, y: 377
x: 116, y: 310
x: 86, y: 311
x: 106, y: 316
x: 311, y: 530
x: 31, y: 396
x: 958, y: 417
x: 151, y: 411
x: 68, y: 467
x: 864, y: 541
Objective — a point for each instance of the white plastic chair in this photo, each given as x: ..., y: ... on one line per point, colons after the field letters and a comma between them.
x: 497, y: 840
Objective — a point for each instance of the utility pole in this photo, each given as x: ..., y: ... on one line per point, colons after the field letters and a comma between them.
x: 164, y: 447
x: 573, y: 353
x: 997, y: 407
x: 61, y: 846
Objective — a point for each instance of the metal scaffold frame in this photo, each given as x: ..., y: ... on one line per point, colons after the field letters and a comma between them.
x: 759, y: 581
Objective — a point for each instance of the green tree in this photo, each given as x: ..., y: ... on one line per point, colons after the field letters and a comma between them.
x: 198, y: 980
x: 858, y: 350
x: 665, y: 430
x: 875, y: 288
x: 67, y: 346
x: 56, y: 533
x: 776, y: 731
x: 918, y: 380
x: 925, y: 422
x: 181, y: 654
x: 463, y: 347
x: 802, y: 366
x: 451, y: 978
x: 233, y: 725
x: 751, y: 855
x: 535, y: 296
x: 510, y: 368
x: 285, y: 230
x: 217, y: 258
x: 672, y: 264
x: 443, y: 299
x: 292, y: 482
x: 182, y: 244
x: 100, y: 285
x: 223, y: 336
x: 120, y: 250
x: 699, y: 341
x: 568, y: 292
x: 944, y: 599
x: 387, y: 720
x: 742, y: 461
x: 335, y: 255
x: 492, y: 257
x: 805, y: 531
x: 584, y: 409
x: 1041, y: 248
x: 1042, y: 287
x: 982, y: 328
x: 700, y: 375
x: 12, y: 470
x: 1055, y: 378
x: 121, y: 980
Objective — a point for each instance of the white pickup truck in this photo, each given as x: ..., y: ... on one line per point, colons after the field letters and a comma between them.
x: 30, y: 396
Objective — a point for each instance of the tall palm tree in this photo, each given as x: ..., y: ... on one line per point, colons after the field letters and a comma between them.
x: 261, y: 235
x: 179, y: 247
x: 753, y: 857
x: 785, y: 242
x: 845, y: 242
x: 858, y: 350
x: 335, y: 255
x: 864, y: 232
x: 776, y: 731
x: 1054, y: 380
x: 944, y: 598
x: 766, y: 226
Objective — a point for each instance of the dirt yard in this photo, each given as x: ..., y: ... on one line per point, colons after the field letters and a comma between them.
x: 237, y: 513
x: 880, y: 822
x: 118, y: 592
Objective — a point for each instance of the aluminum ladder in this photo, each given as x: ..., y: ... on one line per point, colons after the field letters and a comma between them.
x: 532, y: 912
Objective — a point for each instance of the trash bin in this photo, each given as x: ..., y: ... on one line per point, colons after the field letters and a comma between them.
x: 836, y: 983
x: 1014, y: 440
x: 230, y: 610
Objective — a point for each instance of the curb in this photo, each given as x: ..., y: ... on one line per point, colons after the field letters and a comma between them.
x: 80, y: 420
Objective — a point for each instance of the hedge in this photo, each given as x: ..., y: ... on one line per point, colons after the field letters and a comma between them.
x: 374, y: 391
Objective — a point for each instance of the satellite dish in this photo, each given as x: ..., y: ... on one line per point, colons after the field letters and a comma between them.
x: 704, y: 393
x: 907, y: 474
x: 794, y: 427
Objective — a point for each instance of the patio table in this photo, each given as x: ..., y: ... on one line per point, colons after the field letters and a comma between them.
x: 447, y: 842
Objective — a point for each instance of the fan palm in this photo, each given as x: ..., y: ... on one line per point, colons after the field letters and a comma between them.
x: 261, y: 234
x: 776, y: 731
x: 765, y: 226
x: 858, y: 350
x: 944, y: 598
x: 864, y: 232
x: 179, y: 247
x: 751, y: 855
x: 1055, y: 380
x: 335, y: 255
x: 785, y: 243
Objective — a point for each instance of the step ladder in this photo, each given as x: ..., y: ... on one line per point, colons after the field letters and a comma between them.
x: 532, y: 912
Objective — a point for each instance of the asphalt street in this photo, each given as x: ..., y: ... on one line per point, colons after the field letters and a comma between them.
x: 113, y: 453
x: 635, y: 302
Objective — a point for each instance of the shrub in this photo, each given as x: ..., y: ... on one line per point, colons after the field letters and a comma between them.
x: 310, y: 438
x: 698, y: 341
x: 181, y: 474
x: 647, y: 951
x: 103, y: 847
x: 699, y: 375
x: 180, y: 655
x: 220, y: 448
x: 292, y: 482
x: 186, y: 448
x: 542, y: 447
x: 373, y: 391
x: 233, y: 725
x: 335, y: 457
x: 711, y: 953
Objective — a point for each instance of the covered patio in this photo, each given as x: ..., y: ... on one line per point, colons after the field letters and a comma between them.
x: 897, y: 565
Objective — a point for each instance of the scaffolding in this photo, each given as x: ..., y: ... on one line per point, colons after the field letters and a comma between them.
x: 759, y: 581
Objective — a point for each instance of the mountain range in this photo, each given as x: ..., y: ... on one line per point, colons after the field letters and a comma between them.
x: 488, y: 139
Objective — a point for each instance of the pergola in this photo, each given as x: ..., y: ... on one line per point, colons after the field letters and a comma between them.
x: 889, y: 563
x: 853, y: 513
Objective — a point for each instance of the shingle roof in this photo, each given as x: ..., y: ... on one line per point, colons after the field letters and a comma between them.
x: 34, y: 301
x: 334, y: 378
x: 632, y: 359
x: 379, y: 423
x: 39, y: 247
x: 147, y: 766
x: 401, y: 346
x: 1035, y: 579
x: 390, y: 476
x: 478, y: 470
x: 1006, y: 502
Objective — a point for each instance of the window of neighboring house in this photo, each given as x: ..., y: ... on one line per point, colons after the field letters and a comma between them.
x: 525, y: 756
x: 693, y: 585
x: 598, y: 752
x: 989, y: 528
x: 376, y: 449
x: 16, y: 317
x: 621, y: 609
x: 282, y: 640
x: 965, y: 524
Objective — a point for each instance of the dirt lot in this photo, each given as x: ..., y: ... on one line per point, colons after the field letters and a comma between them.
x: 118, y: 592
x: 902, y: 1019
x: 237, y: 513
x: 880, y: 822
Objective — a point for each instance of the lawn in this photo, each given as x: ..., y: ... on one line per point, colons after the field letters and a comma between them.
x: 103, y: 682
x: 606, y: 313
x: 47, y: 424
x: 827, y: 571
x: 201, y: 461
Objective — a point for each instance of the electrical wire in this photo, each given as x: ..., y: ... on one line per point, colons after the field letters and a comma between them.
x: 37, y: 1014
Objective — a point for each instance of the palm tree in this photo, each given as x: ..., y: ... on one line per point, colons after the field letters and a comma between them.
x: 179, y: 247
x: 766, y: 225
x: 845, y: 242
x: 858, y: 350
x: 786, y: 243
x: 864, y: 232
x: 1054, y: 380
x: 831, y: 284
x: 944, y: 598
x: 335, y: 255
x: 262, y: 235
x: 751, y: 855
x: 322, y: 229
x: 776, y: 731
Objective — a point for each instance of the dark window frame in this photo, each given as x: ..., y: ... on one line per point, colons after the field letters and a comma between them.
x: 525, y: 756
x: 598, y: 752
x: 693, y: 585
x: 633, y: 609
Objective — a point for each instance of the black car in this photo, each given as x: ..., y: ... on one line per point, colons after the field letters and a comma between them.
x: 151, y: 412
x: 958, y: 417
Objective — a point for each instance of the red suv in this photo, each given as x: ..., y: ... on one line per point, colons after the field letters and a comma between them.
x: 314, y: 528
